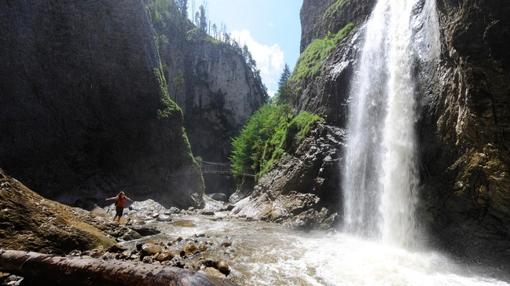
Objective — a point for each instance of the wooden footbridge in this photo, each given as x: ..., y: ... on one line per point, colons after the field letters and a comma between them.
x: 218, y: 168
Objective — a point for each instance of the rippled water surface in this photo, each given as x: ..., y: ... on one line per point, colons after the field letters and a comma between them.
x: 268, y: 254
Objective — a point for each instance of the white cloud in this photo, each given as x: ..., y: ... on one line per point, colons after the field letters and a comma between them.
x: 270, y: 58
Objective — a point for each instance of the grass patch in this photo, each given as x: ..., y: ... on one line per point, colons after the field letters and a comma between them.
x: 311, y: 60
x: 334, y: 8
x: 197, y: 35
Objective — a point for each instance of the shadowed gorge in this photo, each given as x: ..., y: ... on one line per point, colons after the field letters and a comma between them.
x: 153, y: 142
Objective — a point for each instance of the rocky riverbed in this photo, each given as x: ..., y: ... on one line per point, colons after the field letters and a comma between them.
x: 250, y: 252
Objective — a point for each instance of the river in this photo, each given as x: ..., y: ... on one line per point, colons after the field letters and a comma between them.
x: 269, y: 254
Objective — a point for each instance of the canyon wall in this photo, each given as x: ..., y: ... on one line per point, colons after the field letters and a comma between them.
x: 84, y: 107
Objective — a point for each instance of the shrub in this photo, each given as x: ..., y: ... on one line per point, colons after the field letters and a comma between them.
x: 313, y: 57
x: 168, y: 106
x: 333, y: 8
x: 266, y: 137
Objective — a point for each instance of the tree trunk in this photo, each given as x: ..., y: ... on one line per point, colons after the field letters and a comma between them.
x: 43, y: 269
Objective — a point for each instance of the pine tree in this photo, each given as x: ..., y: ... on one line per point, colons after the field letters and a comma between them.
x: 182, y: 5
x: 202, y: 19
x: 215, y: 31
x: 284, y: 90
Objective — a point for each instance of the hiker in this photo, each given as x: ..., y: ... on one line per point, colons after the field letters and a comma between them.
x: 120, y: 203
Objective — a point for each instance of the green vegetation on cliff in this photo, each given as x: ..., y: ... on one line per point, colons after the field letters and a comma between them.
x: 269, y: 133
x: 169, y: 107
x: 333, y: 8
x: 313, y: 57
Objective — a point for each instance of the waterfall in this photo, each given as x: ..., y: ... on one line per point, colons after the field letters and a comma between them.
x: 380, y: 178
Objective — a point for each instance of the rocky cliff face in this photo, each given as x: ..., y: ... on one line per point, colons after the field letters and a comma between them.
x: 301, y: 189
x: 318, y: 17
x: 464, y: 127
x: 84, y: 107
x: 465, y: 131
x: 326, y: 91
x: 212, y: 83
x: 222, y: 94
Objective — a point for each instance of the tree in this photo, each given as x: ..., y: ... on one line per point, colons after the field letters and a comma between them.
x: 226, y: 38
x: 202, y: 22
x: 246, y: 52
x: 182, y: 5
x: 215, y: 31
x: 284, y: 78
x: 196, y: 20
x: 284, y: 90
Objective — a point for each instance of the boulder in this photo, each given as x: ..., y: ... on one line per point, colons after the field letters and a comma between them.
x: 33, y: 223
x: 149, y: 249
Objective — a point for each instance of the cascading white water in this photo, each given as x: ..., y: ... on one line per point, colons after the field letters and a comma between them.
x: 380, y: 174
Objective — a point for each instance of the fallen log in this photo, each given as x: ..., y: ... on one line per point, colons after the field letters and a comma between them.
x: 44, y: 269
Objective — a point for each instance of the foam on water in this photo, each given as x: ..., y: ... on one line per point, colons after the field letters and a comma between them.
x: 268, y: 254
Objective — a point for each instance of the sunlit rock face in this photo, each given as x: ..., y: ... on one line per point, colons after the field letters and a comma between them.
x: 221, y: 94
x: 83, y: 107
x: 301, y: 189
x: 216, y: 89
x: 318, y: 17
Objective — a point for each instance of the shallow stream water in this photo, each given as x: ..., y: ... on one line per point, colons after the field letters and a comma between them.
x: 268, y: 254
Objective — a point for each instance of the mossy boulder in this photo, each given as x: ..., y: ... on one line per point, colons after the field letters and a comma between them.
x: 32, y: 223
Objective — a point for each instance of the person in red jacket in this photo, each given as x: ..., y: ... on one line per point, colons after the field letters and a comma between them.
x: 120, y: 203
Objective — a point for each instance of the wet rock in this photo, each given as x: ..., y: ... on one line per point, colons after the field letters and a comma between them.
x: 184, y: 223
x: 117, y: 248
x: 208, y: 213
x: 164, y: 256
x: 131, y: 235
x: 75, y: 253
x: 218, y: 197
x: 202, y: 246
x: 223, y: 267
x: 146, y: 231
x: 10, y: 280
x: 123, y: 255
x: 228, y: 208
x: 190, y: 248
x: 213, y: 272
x: 149, y: 249
x: 94, y: 253
x: 148, y: 259
x: 177, y: 262
x: 226, y: 243
x: 163, y: 217
x: 172, y: 210
x: 108, y: 256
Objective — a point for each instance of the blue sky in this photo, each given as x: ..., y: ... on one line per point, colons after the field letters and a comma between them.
x: 270, y: 28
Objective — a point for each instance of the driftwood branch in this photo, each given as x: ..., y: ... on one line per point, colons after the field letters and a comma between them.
x: 46, y: 269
